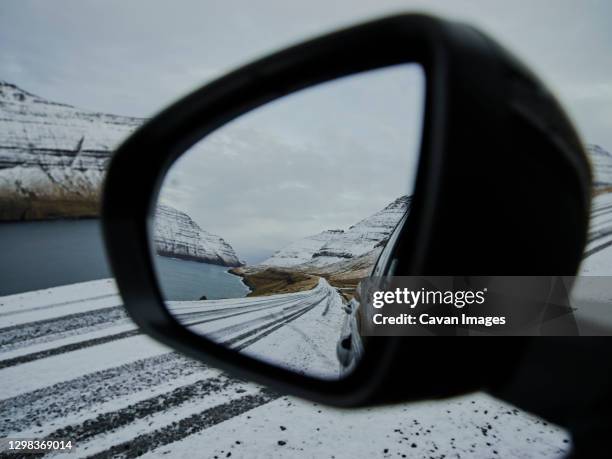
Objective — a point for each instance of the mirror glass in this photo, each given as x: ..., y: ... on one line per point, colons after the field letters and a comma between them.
x: 264, y: 228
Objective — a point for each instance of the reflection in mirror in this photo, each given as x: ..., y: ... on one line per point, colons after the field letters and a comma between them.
x: 264, y: 228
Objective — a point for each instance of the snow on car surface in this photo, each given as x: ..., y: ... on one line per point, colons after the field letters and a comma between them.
x: 73, y: 365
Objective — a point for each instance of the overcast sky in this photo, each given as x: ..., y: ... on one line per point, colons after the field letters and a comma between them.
x: 134, y: 57
x: 323, y: 158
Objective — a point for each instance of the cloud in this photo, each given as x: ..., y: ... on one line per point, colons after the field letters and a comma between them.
x: 307, y: 163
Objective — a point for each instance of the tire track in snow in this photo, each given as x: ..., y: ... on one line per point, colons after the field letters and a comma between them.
x: 114, y: 420
x: 102, y: 340
x: 260, y: 322
x: 66, y: 348
x: 596, y: 249
x: 601, y: 209
x: 55, y: 305
x: 110, y: 421
x: 71, y: 324
x: 187, y: 426
x: 599, y: 234
x: 599, y: 227
x: 197, y: 308
x: 245, y: 310
x: 268, y: 329
x: 82, y: 393
x: 40, y: 407
x: 81, y: 345
x: 76, y: 395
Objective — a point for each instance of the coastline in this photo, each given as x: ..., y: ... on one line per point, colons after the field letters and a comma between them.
x: 187, y: 257
x: 273, y: 281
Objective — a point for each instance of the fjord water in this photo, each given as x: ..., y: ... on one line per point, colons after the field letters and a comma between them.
x: 44, y: 254
x: 191, y: 280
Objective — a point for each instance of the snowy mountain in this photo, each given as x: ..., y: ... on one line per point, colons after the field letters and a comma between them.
x: 52, y: 162
x: 335, y: 246
x: 177, y: 235
x: 356, y: 249
x: 53, y: 156
x: 302, y: 250
x: 602, y: 167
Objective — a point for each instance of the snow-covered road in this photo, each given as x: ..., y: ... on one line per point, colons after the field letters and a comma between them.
x: 72, y: 365
x: 296, y: 330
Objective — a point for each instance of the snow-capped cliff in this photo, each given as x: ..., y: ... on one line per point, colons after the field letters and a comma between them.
x: 53, y: 156
x: 177, y: 235
x: 301, y: 251
x: 52, y: 162
x: 357, y: 248
x: 334, y: 246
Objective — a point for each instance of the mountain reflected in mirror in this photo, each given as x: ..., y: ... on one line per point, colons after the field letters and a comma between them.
x: 264, y: 229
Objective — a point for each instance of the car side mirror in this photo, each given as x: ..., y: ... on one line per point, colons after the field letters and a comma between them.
x: 501, y: 186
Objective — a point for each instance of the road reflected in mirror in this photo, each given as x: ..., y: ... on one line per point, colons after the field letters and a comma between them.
x: 264, y: 228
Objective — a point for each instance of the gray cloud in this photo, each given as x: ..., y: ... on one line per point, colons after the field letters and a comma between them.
x: 320, y: 159
x: 135, y: 57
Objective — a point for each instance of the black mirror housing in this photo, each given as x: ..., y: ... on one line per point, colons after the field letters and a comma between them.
x: 503, y: 188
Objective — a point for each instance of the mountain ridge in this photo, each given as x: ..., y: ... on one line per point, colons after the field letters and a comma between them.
x: 331, y: 247
x: 176, y: 235
x: 53, y: 156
